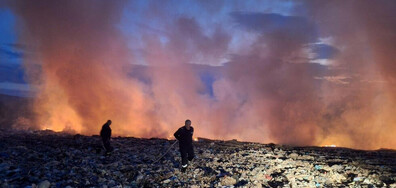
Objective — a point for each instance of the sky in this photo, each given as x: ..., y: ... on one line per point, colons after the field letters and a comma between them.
x: 12, y: 74
x: 290, y: 72
x: 134, y: 24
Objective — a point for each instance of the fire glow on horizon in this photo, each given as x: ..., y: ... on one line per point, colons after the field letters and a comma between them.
x: 307, y: 73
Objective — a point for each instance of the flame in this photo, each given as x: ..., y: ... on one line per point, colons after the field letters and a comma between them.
x: 331, y: 146
x: 170, y: 137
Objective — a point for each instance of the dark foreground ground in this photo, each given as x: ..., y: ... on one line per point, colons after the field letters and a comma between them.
x: 47, y: 159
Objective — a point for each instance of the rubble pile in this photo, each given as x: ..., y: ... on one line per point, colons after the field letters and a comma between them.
x: 49, y: 159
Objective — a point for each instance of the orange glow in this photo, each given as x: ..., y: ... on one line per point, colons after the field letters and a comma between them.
x: 329, y: 146
x: 170, y: 137
x: 87, y: 71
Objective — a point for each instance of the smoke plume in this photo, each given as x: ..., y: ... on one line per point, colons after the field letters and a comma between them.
x: 323, y: 74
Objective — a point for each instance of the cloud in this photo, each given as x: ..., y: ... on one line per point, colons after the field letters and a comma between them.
x: 10, y: 52
x: 324, y: 51
x: 335, y: 79
x: 271, y: 23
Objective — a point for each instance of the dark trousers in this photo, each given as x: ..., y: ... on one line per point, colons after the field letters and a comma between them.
x: 106, y: 144
x: 187, y: 153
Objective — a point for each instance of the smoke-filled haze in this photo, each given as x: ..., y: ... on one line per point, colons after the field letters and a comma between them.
x: 290, y: 72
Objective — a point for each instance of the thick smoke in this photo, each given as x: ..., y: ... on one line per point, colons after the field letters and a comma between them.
x: 323, y: 75
x: 82, y: 79
x: 360, y: 114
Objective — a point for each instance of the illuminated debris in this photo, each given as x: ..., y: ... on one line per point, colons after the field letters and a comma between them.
x: 228, y: 181
x: 28, y: 158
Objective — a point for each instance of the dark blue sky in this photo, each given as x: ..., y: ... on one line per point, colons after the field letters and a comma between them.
x: 12, y: 75
x: 138, y: 22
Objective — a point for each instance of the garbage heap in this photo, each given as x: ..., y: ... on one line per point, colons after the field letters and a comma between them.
x: 50, y: 159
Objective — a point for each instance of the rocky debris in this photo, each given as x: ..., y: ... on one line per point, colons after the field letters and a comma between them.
x: 49, y: 159
x: 44, y: 184
x: 228, y: 181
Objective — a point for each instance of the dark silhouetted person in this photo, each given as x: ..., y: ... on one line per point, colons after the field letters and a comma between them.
x: 185, y: 137
x: 105, y: 133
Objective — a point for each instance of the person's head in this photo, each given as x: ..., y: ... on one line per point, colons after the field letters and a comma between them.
x: 108, y: 122
x: 187, y: 123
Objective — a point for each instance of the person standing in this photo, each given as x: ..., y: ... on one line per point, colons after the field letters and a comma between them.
x: 105, y: 133
x: 185, y: 137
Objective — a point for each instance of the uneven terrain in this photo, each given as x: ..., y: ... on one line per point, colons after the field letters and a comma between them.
x: 49, y: 159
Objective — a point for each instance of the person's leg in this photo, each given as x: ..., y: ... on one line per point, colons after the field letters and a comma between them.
x: 106, y: 144
x: 110, y: 147
x: 191, y: 153
x: 183, y: 153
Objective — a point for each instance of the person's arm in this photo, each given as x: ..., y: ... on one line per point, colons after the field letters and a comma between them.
x: 177, y: 134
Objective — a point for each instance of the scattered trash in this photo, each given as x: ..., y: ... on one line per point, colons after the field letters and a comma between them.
x: 357, y: 179
x: 49, y: 159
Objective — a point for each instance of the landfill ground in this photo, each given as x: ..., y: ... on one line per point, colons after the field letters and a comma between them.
x: 49, y: 159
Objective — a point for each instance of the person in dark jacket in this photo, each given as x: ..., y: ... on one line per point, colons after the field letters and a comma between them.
x: 185, y: 137
x: 105, y: 133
